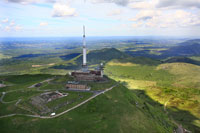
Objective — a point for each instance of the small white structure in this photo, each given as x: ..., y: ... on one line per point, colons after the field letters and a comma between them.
x: 2, y: 85
x: 52, y: 114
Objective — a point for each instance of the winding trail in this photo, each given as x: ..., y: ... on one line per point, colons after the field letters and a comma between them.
x: 180, y: 128
x: 32, y: 86
x: 17, y: 102
x: 47, y: 80
x: 57, y: 115
x: 3, y: 95
x: 165, y: 105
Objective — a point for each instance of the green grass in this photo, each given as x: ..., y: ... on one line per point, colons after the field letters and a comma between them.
x: 197, y: 58
x: 140, y: 72
x: 114, y: 111
x: 10, y: 108
x: 14, y: 96
x: 25, y: 79
x: 71, y: 96
x: 177, y: 83
x: 101, y: 85
x: 2, y: 56
x: 22, y: 82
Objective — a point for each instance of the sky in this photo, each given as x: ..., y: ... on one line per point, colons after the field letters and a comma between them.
x: 65, y: 18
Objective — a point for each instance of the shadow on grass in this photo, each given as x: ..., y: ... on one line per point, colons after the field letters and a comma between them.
x: 181, y: 117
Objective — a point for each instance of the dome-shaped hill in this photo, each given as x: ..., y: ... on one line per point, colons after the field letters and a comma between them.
x: 103, y: 55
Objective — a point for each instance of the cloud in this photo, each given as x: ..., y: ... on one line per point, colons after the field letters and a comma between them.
x: 137, y: 25
x: 12, y: 23
x: 23, y: 1
x: 63, y: 10
x: 7, y: 28
x: 114, y: 12
x: 145, y: 15
x: 118, y: 2
x: 18, y: 28
x: 12, y: 28
x: 178, y: 18
x: 5, y: 20
x: 30, y: 1
x: 43, y: 24
x: 178, y: 3
x: 142, y: 5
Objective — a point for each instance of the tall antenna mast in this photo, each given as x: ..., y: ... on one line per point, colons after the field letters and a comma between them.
x: 84, y: 66
x: 84, y: 49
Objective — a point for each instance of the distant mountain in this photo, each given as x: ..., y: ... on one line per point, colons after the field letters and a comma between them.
x: 188, y: 48
x: 141, y: 61
x: 28, y: 56
x: 182, y: 59
x: 93, y: 57
x: 189, y: 42
x: 107, y: 54
x: 103, y: 55
x: 69, y: 56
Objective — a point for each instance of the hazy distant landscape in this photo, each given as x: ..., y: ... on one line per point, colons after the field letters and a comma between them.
x: 161, y: 74
x: 44, y: 51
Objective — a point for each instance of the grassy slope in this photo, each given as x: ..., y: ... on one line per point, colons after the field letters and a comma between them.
x: 177, y: 83
x: 182, y: 60
x: 197, y: 58
x: 114, y: 111
x: 187, y: 75
x: 18, y: 84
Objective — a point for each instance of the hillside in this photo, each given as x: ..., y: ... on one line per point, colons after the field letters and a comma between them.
x: 188, y: 48
x: 187, y: 75
x: 182, y: 59
x: 93, y: 57
x: 118, y: 110
x: 103, y: 55
x: 141, y: 60
x: 175, y: 85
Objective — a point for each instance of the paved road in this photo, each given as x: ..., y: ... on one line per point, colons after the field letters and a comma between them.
x: 57, y: 115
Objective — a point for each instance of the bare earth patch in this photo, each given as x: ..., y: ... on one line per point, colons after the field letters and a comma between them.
x: 51, y: 64
x: 121, y: 64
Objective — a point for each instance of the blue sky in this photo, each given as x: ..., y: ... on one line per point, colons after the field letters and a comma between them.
x: 44, y: 18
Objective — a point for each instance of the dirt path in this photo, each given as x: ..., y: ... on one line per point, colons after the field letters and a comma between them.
x: 1, y: 99
x: 32, y: 86
x: 57, y: 115
x: 180, y: 128
x: 47, y: 80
